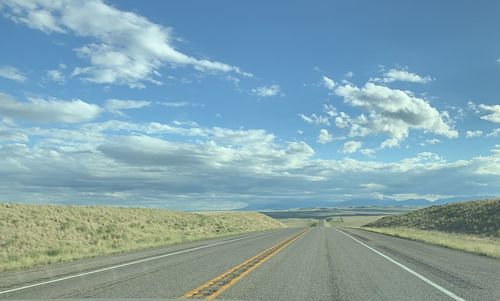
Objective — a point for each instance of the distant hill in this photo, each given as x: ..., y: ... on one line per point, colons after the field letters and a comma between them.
x: 384, y: 202
x: 473, y: 217
x: 302, y: 204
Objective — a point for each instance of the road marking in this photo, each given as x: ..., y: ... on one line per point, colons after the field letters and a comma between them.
x: 424, y: 279
x: 215, y: 286
x: 130, y: 263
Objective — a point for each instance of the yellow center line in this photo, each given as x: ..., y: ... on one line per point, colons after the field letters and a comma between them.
x: 215, y: 286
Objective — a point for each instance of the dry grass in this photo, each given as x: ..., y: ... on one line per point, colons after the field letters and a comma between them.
x: 489, y: 246
x: 32, y: 235
x: 473, y: 217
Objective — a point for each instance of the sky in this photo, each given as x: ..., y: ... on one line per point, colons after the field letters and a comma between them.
x: 198, y: 105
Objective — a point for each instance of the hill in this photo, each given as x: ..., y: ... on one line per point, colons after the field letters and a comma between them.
x: 473, y: 217
x: 41, y: 234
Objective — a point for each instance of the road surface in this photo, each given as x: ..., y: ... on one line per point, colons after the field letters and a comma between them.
x: 319, y: 263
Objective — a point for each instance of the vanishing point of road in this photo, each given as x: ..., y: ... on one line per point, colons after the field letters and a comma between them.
x: 320, y: 263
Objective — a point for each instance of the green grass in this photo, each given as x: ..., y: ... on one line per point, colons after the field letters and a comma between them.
x: 489, y: 246
x: 32, y: 235
x: 474, y: 217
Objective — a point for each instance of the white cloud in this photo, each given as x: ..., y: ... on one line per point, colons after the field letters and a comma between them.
x: 330, y: 110
x: 342, y: 120
x: 328, y: 82
x: 472, y: 134
x: 324, y: 137
x: 390, y: 143
x: 373, y: 186
x: 493, y: 112
x: 51, y: 110
x: 494, y: 133
x: 129, y: 164
x: 351, y: 146
x: 125, y: 47
x: 268, y: 91
x: 116, y: 106
x: 315, y: 119
x: 433, y: 141
x: 391, y: 111
x: 56, y: 76
x: 404, y: 76
x: 370, y: 152
x: 12, y: 73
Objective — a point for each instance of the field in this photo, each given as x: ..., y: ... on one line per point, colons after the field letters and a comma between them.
x: 353, y: 221
x: 468, y: 226
x: 298, y: 222
x: 32, y: 235
x: 329, y: 213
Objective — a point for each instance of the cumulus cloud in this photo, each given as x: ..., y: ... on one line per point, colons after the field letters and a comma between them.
x: 351, y: 146
x: 131, y: 164
x: 12, y: 73
x: 324, y: 137
x: 392, y: 112
x: 124, y: 48
x: 267, y: 91
x: 48, y: 110
x: 315, y: 119
x: 404, y: 76
x: 116, y: 106
x: 472, y: 134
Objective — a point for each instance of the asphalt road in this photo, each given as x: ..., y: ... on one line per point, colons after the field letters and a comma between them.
x: 320, y: 264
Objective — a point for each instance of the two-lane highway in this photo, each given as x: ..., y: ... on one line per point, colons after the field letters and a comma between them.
x: 319, y: 263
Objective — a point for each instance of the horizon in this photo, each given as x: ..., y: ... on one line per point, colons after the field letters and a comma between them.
x: 201, y: 106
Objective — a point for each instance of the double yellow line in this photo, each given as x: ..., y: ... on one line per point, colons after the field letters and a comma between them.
x: 215, y: 286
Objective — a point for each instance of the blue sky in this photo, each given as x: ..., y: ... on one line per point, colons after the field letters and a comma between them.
x: 197, y: 105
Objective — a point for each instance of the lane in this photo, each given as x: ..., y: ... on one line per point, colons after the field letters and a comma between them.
x: 165, y: 277
x: 471, y: 276
x: 328, y: 265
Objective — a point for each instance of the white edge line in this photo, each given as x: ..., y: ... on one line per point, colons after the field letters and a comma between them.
x: 129, y: 263
x: 424, y: 279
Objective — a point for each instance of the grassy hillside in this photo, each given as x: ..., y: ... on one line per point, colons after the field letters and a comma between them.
x: 477, y: 217
x: 468, y: 226
x: 41, y: 234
